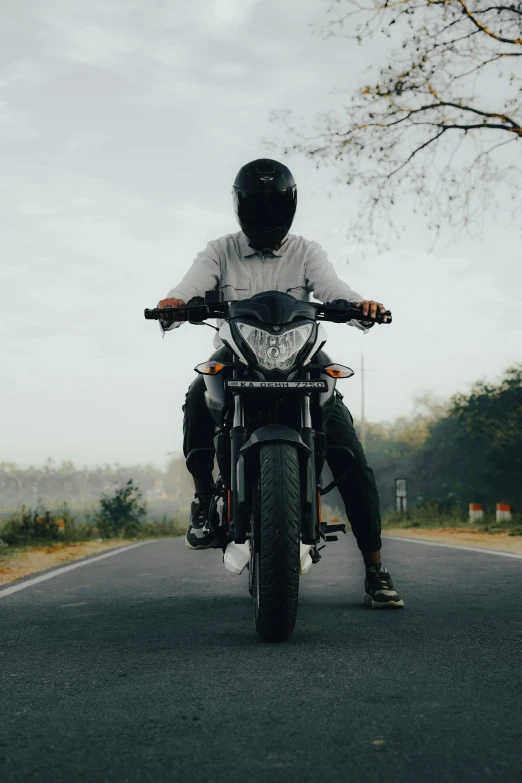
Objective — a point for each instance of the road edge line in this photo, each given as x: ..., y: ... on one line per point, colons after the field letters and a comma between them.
x: 63, y: 569
x: 426, y: 542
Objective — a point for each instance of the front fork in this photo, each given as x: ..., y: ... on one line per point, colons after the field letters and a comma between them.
x: 309, y: 476
x: 310, y: 502
x: 238, y: 438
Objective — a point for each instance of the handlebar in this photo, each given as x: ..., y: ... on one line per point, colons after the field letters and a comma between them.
x: 336, y: 312
x: 340, y: 312
x: 193, y: 313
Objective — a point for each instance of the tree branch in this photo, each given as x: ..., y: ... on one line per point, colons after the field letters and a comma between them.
x: 396, y: 141
x: 484, y: 29
x: 421, y: 147
x: 494, y: 59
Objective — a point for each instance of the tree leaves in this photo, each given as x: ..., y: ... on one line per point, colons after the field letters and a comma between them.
x: 472, y: 448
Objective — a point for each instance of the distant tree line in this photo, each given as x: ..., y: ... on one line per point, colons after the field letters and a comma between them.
x: 53, y: 484
x: 467, y: 451
x: 120, y: 514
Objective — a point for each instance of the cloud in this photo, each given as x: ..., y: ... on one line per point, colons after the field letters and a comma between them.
x: 222, y: 17
x: 27, y: 72
x: 94, y: 45
x: 191, y: 212
x: 171, y: 55
x: 27, y: 208
x: 85, y: 142
x: 232, y: 69
x: 13, y: 124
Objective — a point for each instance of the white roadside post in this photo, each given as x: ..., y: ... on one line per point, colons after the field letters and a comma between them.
x: 401, y: 495
x: 503, y: 512
x: 476, y: 512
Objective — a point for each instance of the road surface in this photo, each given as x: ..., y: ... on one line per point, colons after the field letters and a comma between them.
x: 145, y: 667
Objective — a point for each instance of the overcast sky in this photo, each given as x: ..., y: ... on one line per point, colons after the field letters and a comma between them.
x: 122, y: 126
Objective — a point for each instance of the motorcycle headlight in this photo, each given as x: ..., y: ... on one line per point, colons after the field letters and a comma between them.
x: 275, y: 351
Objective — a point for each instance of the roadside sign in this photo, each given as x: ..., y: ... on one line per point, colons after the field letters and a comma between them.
x: 401, y: 495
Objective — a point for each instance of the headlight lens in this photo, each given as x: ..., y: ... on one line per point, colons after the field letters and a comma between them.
x: 275, y: 351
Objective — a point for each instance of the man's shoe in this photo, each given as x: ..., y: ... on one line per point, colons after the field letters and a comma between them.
x: 379, y: 590
x: 196, y: 537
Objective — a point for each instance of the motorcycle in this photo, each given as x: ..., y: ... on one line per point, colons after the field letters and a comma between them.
x: 268, y: 390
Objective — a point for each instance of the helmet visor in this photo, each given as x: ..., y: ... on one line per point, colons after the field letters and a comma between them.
x: 266, y: 210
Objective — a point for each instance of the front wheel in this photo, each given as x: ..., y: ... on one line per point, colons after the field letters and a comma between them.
x: 275, y: 565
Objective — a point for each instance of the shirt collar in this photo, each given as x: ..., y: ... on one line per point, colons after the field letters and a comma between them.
x: 251, y: 251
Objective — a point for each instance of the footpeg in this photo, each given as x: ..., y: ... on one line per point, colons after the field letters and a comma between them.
x: 334, y: 528
x: 325, y: 531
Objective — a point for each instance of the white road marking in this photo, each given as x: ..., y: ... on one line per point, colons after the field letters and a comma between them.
x: 454, y: 546
x: 43, y: 577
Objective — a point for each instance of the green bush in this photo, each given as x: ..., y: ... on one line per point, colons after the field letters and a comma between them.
x: 118, y: 516
x: 28, y: 526
x: 121, y: 514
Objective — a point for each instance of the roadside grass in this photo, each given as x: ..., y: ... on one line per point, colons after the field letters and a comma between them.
x: 34, y: 541
x: 52, y: 530
x: 431, y: 517
x: 47, y: 528
x: 426, y: 519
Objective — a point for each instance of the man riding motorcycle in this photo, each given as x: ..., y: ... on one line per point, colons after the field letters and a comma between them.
x: 264, y: 256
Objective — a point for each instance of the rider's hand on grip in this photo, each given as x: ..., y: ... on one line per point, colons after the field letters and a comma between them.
x: 171, y: 304
x: 375, y: 310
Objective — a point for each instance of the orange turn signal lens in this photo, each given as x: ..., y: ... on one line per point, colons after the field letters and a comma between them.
x: 209, y: 368
x: 339, y: 371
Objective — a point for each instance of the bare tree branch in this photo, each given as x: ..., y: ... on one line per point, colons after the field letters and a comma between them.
x: 483, y: 27
x: 392, y: 140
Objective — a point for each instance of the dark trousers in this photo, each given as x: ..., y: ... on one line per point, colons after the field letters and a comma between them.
x: 358, y: 489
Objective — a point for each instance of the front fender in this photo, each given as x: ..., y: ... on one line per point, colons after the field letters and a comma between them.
x: 248, y: 461
x: 271, y: 433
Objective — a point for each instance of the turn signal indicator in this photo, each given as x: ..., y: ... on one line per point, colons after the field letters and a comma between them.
x: 209, y: 368
x: 338, y: 371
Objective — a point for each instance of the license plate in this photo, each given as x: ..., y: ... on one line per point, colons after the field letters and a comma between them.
x: 317, y: 385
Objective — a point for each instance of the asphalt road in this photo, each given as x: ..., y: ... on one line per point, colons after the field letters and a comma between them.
x: 145, y: 667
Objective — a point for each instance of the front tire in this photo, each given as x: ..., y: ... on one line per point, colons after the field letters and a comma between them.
x: 277, y: 533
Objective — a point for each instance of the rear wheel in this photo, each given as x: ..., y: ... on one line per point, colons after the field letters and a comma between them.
x: 275, y: 562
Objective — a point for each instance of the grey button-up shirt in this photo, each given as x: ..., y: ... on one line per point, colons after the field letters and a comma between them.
x: 300, y: 267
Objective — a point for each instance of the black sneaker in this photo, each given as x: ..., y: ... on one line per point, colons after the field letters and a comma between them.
x: 379, y: 590
x: 196, y: 537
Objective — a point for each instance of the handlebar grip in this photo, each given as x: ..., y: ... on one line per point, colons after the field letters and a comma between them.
x: 377, y: 320
x: 166, y: 314
x: 340, y: 311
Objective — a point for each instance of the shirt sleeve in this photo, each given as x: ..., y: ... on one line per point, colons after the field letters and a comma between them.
x: 324, y: 282
x: 202, y: 276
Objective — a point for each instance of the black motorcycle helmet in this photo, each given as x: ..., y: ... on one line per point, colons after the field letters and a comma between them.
x: 265, y: 200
